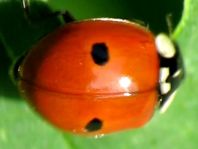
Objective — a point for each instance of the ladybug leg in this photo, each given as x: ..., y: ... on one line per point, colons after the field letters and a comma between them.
x: 26, y: 6
x: 171, y: 70
x: 66, y: 16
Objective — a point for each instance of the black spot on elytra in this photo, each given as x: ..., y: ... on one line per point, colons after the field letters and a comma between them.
x: 94, y: 125
x: 99, y: 53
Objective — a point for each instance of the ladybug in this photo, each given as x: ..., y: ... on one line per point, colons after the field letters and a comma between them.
x: 99, y: 76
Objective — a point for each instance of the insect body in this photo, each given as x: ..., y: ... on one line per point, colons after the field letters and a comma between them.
x: 100, y: 76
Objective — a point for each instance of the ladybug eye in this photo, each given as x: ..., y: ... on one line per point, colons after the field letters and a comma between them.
x: 99, y: 53
x: 93, y: 125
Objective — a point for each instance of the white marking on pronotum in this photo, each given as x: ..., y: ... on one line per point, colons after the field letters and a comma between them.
x: 167, y: 103
x: 164, y: 73
x: 165, y: 88
x: 177, y: 73
x: 165, y: 46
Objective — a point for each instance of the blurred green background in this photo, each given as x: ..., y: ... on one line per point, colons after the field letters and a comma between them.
x: 21, y: 128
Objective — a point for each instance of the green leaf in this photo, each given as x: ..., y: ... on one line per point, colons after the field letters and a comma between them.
x: 21, y: 128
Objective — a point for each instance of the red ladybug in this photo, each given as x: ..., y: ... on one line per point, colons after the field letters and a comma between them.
x: 101, y: 75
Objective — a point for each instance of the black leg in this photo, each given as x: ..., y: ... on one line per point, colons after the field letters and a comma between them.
x: 67, y: 17
x: 43, y: 13
x: 26, y: 7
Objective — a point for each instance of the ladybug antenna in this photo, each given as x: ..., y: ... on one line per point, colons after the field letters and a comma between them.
x: 169, y: 23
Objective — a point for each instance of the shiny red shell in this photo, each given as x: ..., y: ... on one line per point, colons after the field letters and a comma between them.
x: 60, y: 78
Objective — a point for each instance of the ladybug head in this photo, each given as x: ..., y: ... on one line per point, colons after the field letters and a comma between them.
x: 171, y: 70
